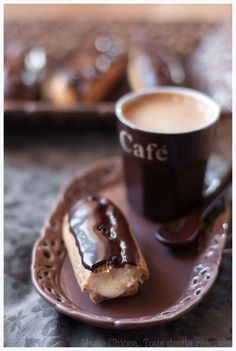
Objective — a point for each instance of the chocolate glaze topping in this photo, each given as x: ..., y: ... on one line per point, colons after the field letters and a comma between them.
x: 101, y: 233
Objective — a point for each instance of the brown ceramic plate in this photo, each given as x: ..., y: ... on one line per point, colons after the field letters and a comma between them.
x: 178, y: 279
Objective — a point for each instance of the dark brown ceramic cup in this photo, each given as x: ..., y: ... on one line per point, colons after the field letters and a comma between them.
x: 166, y: 178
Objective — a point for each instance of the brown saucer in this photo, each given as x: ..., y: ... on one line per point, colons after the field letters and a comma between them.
x: 178, y: 279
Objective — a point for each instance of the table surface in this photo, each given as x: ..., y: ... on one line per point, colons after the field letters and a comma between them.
x: 37, y: 164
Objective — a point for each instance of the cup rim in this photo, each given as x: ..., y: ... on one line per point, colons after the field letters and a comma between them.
x: 166, y: 89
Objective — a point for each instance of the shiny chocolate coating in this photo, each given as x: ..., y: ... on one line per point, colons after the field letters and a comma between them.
x: 101, y: 233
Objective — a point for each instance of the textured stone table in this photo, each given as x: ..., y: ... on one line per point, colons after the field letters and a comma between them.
x: 37, y: 163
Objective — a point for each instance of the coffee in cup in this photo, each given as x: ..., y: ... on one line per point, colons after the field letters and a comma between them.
x: 168, y: 113
x: 166, y: 135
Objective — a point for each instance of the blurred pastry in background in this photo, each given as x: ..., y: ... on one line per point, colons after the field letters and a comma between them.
x: 87, y: 76
x: 152, y: 65
x: 23, y: 76
x: 86, y: 71
x: 209, y: 68
x: 69, y: 62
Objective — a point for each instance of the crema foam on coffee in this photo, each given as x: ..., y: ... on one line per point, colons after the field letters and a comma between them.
x: 168, y: 113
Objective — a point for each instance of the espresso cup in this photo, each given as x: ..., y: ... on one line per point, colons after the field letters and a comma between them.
x: 166, y: 136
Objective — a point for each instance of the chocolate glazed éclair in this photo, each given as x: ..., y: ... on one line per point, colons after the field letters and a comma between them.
x: 101, y: 234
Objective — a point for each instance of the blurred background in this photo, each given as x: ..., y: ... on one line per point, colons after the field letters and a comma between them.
x: 216, y: 12
x: 64, y: 67
x: 66, y: 56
